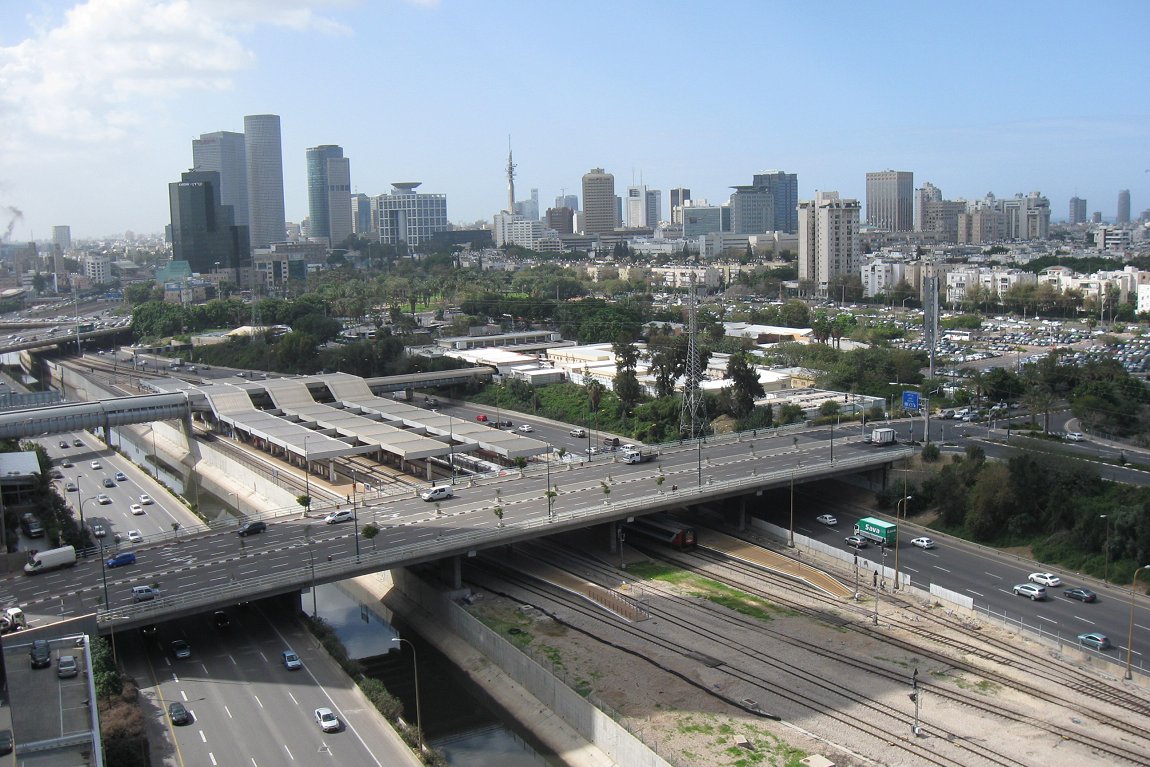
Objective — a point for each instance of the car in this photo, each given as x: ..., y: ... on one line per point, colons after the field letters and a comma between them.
x: 103, y: 500
x: 121, y: 559
x: 336, y: 517
x: 827, y: 519
x: 144, y: 593
x: 98, y: 531
x: 593, y: 450
x: 66, y: 464
x: 135, y: 537
x: 146, y: 499
x: 923, y: 543
x: 150, y: 630
x: 1044, y: 579
x: 178, y: 713
x: 6, y: 743
x: 526, y: 428
x: 221, y: 620
x: 109, y: 482
x: 1095, y: 640
x: 136, y: 509
x: 66, y: 667
x: 1080, y: 593
x: 1035, y: 593
x: 252, y: 528
x: 96, y: 465
x: 181, y: 649
x: 70, y: 487
x: 482, y: 419
x: 856, y: 541
x: 40, y: 654
x: 291, y: 661
x: 77, y: 443
x: 1075, y: 436
x: 438, y: 493
x: 578, y: 431
x: 64, y: 444
x: 327, y: 721
x: 121, y: 476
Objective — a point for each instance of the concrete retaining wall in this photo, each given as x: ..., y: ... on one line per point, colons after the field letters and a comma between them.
x: 592, y: 724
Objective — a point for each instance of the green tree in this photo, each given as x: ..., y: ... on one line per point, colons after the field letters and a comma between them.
x: 745, y: 385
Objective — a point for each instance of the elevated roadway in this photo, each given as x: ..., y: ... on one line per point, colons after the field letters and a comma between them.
x: 201, y: 571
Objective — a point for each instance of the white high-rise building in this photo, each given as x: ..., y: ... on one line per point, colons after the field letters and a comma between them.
x: 407, y: 216
x: 890, y: 200
x: 599, y: 202
x: 266, y: 219
x: 828, y: 239
x: 643, y: 207
x: 225, y: 152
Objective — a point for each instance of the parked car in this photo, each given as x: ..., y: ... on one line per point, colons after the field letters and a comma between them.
x: 291, y: 661
x: 344, y: 515
x: 252, y: 528
x: 40, y: 654
x: 179, y: 713
x: 923, y: 543
x: 66, y: 667
x: 856, y: 541
x: 1045, y: 579
x: 181, y: 649
x: 1080, y: 593
x: 1036, y: 593
x: 327, y: 720
x: 827, y: 519
x: 1095, y: 640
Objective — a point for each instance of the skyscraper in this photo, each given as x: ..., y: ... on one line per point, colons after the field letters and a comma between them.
x: 768, y: 204
x: 62, y: 238
x: 204, y: 231
x: 679, y: 197
x: 329, y: 193
x: 1077, y: 211
x: 266, y: 220
x: 890, y: 200
x: 225, y: 153
x: 567, y: 201
x: 1123, y: 216
x: 599, y: 202
x: 643, y: 207
x: 828, y: 239
x: 360, y: 213
x: 928, y: 193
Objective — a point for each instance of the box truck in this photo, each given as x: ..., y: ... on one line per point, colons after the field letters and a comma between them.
x: 52, y: 559
x: 882, y: 436
x: 639, y: 455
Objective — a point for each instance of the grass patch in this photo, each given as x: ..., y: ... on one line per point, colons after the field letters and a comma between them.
x: 982, y: 686
x: 705, y: 588
x: 512, y: 626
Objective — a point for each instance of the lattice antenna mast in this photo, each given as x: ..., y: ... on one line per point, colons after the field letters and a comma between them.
x: 692, y: 419
x: 510, y: 179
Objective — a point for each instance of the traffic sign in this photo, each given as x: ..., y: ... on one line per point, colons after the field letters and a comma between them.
x: 910, y: 400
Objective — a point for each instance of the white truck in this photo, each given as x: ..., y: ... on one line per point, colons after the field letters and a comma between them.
x: 639, y: 455
x: 52, y: 559
x: 882, y: 436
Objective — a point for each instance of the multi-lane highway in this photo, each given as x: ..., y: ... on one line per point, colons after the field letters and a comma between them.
x: 234, y: 684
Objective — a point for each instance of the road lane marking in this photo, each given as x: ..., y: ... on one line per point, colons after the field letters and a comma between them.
x: 257, y: 698
x: 1084, y: 620
x: 992, y: 575
x: 1048, y: 620
x: 184, y: 695
x: 212, y: 757
x: 289, y: 753
x: 203, y: 737
x: 228, y: 711
x: 977, y: 594
x: 293, y: 700
x: 944, y: 570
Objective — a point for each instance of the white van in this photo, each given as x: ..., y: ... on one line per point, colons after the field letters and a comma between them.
x: 437, y: 493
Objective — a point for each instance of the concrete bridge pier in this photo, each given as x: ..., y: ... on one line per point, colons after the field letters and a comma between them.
x: 451, y: 571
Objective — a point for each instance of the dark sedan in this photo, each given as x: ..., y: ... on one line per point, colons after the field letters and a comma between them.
x: 1085, y: 595
x: 179, y: 713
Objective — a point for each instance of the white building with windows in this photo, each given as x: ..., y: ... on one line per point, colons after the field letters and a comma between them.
x: 98, y: 269
x: 404, y: 215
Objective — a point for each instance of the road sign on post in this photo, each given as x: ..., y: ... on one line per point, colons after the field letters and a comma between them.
x: 910, y: 400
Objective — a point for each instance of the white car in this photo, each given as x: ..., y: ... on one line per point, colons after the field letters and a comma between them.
x: 135, y: 537
x: 923, y: 543
x: 95, y: 465
x: 137, y: 509
x: 327, y: 721
x: 827, y: 519
x: 338, y: 516
x: 146, y: 500
x: 1045, y: 579
x: 526, y: 428
x: 103, y: 500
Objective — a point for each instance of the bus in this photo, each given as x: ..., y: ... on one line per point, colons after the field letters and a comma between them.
x: 882, y: 533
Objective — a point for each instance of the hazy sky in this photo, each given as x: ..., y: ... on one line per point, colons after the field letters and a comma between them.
x: 100, y: 100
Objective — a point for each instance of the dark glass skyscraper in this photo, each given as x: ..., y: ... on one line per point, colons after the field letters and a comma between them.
x: 204, y: 232
x: 769, y: 204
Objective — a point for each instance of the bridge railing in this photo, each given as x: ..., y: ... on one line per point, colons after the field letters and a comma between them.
x: 373, y: 559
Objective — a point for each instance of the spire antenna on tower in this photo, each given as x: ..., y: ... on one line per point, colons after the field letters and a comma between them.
x: 510, y: 179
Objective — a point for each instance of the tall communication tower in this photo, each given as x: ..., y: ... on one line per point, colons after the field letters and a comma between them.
x: 510, y: 180
x: 693, y: 417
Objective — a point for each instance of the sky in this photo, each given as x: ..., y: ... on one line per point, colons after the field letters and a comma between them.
x: 100, y: 100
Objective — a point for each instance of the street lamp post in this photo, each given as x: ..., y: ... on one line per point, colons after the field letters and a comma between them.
x: 451, y: 447
x: 306, y: 472
x: 311, y: 563
x: 792, y: 539
x: 898, y: 524
x: 415, y: 665
x: 1106, y: 551
x: 1130, y: 631
x: 104, y: 573
x: 547, y: 489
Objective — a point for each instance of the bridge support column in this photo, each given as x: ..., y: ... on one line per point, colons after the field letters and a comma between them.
x: 613, y: 538
x: 741, y: 519
x: 453, y: 572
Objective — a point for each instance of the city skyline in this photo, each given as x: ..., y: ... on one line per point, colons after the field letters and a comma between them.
x: 83, y: 107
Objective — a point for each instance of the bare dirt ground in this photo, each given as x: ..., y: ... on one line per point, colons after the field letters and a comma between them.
x: 681, y: 706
